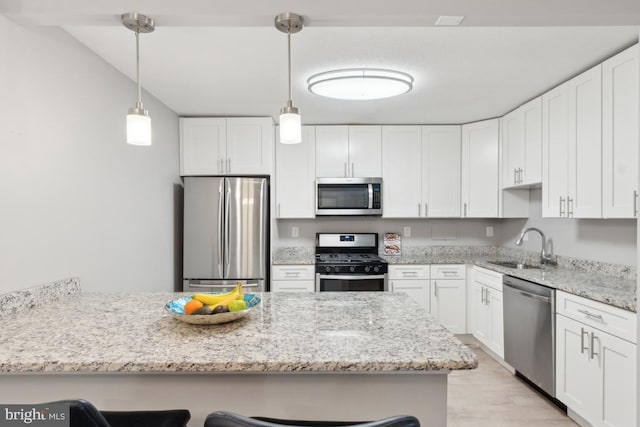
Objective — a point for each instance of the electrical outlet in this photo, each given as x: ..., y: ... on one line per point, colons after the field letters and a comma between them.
x: 295, y: 231
x: 406, y: 232
x: 489, y: 230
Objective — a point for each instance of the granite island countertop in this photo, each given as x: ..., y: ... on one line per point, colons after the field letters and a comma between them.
x: 310, y: 332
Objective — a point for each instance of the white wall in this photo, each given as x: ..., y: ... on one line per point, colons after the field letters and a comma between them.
x: 607, y: 240
x: 76, y: 199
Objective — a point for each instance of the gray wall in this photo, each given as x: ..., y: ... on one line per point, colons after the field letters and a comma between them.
x: 610, y: 240
x: 76, y: 199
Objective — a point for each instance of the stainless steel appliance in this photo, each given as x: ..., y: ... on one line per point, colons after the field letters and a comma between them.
x: 349, y: 196
x: 529, y: 325
x: 226, y: 229
x: 349, y: 262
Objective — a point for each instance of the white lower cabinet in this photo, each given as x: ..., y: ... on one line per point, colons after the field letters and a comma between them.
x: 412, y: 280
x: 486, y: 310
x: 439, y: 289
x: 448, y: 296
x: 595, y: 369
x: 293, y: 278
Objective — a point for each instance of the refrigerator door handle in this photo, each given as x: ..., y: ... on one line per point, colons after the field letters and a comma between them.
x: 226, y: 231
x: 220, y: 223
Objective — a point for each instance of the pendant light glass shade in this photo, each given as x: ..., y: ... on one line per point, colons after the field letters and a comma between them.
x: 138, y: 120
x: 290, y: 120
x: 138, y: 128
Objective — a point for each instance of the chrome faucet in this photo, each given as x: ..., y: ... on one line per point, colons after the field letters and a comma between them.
x: 544, y: 257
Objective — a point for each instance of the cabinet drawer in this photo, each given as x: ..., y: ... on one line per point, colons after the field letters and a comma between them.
x: 408, y: 272
x: 613, y: 320
x: 293, y: 272
x: 449, y: 271
x: 488, y: 278
x: 293, y: 286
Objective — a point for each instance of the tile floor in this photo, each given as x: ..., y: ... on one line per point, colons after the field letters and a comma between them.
x: 492, y: 396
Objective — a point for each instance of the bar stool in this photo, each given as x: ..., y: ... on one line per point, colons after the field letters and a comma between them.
x: 83, y: 414
x: 231, y: 419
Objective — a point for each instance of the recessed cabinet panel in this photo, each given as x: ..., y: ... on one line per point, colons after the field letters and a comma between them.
x: 401, y: 166
x: 365, y: 151
x: 532, y: 119
x: 295, y: 177
x: 620, y: 117
x: 441, y: 163
x: 250, y: 144
x: 202, y: 146
x: 332, y: 151
x: 480, y: 170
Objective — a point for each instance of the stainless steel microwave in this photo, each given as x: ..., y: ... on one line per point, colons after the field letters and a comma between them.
x: 349, y: 196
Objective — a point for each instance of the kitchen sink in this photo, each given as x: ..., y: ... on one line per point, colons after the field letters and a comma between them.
x: 512, y: 264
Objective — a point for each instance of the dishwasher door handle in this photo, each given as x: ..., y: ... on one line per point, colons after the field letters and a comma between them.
x: 534, y: 296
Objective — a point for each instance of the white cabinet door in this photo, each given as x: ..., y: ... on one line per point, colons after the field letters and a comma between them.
x: 480, y: 170
x: 365, y: 151
x: 584, y: 199
x: 496, y: 320
x: 620, y: 134
x: 513, y: 135
x: 577, y: 383
x: 250, y: 145
x: 441, y: 163
x: 448, y: 304
x: 202, y: 146
x: 295, y: 177
x: 532, y: 120
x: 481, y: 314
x: 332, y: 151
x: 401, y: 165
x: 555, y: 151
x: 416, y: 289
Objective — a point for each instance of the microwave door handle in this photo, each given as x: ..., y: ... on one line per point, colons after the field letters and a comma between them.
x: 370, y: 187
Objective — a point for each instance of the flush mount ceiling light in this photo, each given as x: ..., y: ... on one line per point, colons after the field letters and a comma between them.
x: 138, y: 120
x: 360, y: 83
x: 290, y: 122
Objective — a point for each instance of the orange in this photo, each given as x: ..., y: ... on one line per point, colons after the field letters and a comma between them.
x: 192, y: 306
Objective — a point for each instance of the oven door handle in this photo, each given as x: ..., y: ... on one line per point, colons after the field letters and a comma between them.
x: 351, y: 277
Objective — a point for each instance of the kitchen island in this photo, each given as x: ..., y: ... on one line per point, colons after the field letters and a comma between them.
x: 352, y: 356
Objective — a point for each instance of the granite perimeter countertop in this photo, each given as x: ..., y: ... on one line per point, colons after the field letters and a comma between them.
x: 286, y: 332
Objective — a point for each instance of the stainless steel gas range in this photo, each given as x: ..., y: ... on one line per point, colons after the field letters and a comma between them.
x: 349, y: 262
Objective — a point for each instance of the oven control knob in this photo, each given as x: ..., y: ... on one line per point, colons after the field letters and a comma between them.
x: 337, y: 269
x: 367, y: 269
x: 327, y: 269
x: 376, y: 269
x: 352, y: 269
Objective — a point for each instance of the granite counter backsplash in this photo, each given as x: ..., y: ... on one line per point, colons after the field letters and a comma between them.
x: 24, y: 299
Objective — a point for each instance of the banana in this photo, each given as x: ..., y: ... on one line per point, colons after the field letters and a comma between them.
x: 215, y: 299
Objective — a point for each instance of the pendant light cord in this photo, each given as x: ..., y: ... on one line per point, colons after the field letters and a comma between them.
x: 139, y: 103
x: 289, y: 61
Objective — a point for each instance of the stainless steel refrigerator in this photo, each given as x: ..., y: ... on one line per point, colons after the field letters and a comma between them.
x: 226, y: 233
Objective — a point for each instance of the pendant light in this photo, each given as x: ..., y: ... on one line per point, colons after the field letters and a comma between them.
x: 290, y: 123
x: 138, y: 120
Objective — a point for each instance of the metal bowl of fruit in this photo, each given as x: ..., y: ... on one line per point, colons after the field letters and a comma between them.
x: 212, y: 308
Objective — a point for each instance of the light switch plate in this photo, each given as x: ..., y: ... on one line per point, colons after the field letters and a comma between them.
x: 406, y: 231
x: 295, y: 231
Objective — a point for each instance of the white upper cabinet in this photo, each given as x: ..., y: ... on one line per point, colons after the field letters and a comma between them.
x: 522, y: 134
x: 401, y: 171
x: 348, y: 151
x: 572, y: 148
x: 441, y: 162
x: 480, y: 170
x: 295, y: 177
x: 223, y: 146
x: 620, y: 134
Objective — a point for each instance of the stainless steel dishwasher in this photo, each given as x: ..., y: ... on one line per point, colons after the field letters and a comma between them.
x: 529, y: 331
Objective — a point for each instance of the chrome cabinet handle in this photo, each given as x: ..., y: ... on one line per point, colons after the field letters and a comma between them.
x: 352, y: 172
x: 635, y: 203
x: 419, y: 209
x: 582, y: 347
x: 483, y: 298
x: 229, y: 165
x: 278, y: 210
x: 346, y: 173
x: 520, y: 176
x: 569, y: 207
x: 515, y: 175
x: 426, y: 209
x: 435, y: 289
x: 221, y: 168
x: 561, y: 206
x: 488, y: 297
x: 465, y: 210
x: 597, y: 317
x: 593, y: 346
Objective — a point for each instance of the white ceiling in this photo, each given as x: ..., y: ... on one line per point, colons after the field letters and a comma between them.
x: 225, y: 57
